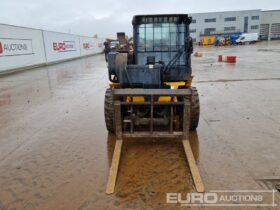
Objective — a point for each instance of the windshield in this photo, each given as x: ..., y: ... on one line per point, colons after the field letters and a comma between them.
x: 161, y: 40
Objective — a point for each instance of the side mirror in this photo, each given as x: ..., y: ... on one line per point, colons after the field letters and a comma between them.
x: 189, y: 45
x: 189, y: 20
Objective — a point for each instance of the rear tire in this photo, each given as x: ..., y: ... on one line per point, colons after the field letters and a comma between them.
x: 195, y: 109
x: 109, y: 111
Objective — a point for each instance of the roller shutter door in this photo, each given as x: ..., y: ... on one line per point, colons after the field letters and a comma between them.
x: 275, y: 31
x: 264, y: 31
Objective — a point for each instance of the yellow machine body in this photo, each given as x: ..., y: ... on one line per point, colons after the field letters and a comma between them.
x: 173, y: 85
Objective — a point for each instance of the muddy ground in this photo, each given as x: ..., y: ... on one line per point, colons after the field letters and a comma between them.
x: 55, y: 151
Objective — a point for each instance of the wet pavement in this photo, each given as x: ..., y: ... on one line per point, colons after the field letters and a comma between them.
x: 55, y: 151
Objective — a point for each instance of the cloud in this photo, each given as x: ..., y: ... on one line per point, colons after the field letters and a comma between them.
x: 106, y: 17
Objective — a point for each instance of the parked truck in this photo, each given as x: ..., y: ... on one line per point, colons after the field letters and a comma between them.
x: 248, y: 38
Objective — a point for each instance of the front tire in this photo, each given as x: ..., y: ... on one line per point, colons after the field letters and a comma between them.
x: 195, y: 109
x: 109, y: 111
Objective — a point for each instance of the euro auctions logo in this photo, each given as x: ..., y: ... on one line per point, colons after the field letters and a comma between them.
x: 15, y: 47
x: 223, y: 198
x: 1, y: 48
x: 88, y: 46
x: 64, y: 46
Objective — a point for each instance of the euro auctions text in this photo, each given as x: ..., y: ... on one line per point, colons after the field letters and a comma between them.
x: 251, y: 198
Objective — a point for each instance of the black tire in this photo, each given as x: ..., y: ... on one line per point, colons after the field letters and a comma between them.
x: 195, y: 109
x: 109, y: 111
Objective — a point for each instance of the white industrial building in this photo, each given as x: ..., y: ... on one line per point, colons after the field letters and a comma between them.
x: 265, y: 23
x: 270, y: 25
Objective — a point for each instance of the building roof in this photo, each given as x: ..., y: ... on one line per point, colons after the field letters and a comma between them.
x: 256, y: 10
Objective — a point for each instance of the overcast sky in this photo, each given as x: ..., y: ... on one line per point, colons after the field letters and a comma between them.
x: 106, y: 17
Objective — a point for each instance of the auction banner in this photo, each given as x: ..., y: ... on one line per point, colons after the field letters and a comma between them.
x: 20, y: 47
x: 90, y: 45
x: 61, y: 46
